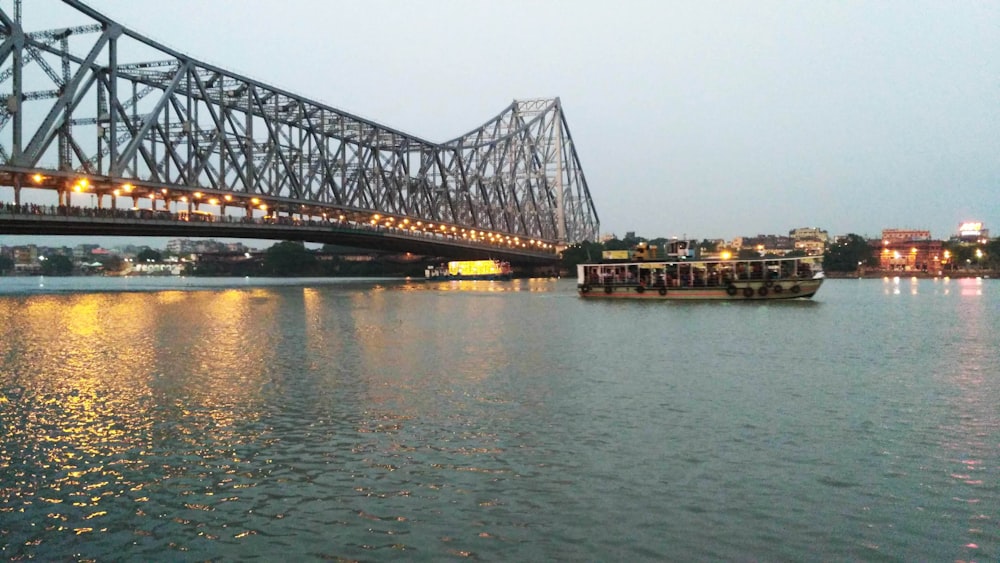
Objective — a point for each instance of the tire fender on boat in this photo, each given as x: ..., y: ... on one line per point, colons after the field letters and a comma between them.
x: 748, y: 292
x: 585, y: 288
x: 731, y: 289
x: 777, y: 288
x: 795, y: 288
x: 762, y: 291
x: 663, y: 291
x: 608, y: 289
x: 640, y: 288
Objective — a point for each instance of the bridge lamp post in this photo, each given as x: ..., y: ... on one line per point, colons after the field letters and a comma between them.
x: 127, y: 188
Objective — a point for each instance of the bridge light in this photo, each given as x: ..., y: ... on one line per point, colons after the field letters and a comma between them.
x: 164, y: 191
x: 83, y: 183
x: 406, y: 221
x: 254, y: 201
x: 376, y: 217
x: 228, y: 197
x: 117, y: 192
x: 341, y: 217
x: 197, y: 195
x: 127, y: 188
x: 420, y: 224
x: 77, y: 188
x: 263, y: 207
x: 38, y: 178
x: 184, y: 199
x: 213, y: 201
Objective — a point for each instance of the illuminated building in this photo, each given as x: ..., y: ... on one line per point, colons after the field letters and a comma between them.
x: 973, y: 231
x: 911, y: 255
x: 904, y: 235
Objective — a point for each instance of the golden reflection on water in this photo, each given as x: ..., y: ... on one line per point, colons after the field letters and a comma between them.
x: 91, y: 384
x: 488, y: 286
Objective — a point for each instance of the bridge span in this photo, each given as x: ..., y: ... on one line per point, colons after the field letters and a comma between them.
x: 96, y: 116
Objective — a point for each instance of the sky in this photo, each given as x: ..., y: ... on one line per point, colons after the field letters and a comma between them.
x: 706, y: 119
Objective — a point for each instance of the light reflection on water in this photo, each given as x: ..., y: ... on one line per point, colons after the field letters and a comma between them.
x: 500, y: 420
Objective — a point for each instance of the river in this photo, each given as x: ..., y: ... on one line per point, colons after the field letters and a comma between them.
x: 185, y: 418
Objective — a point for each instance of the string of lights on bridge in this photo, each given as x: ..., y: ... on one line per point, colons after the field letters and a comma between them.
x: 251, y: 203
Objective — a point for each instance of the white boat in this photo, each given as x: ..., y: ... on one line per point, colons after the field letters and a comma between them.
x: 718, y: 279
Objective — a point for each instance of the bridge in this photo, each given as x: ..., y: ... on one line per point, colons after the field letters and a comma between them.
x: 106, y: 132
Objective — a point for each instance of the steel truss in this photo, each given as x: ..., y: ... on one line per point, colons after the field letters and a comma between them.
x: 73, y: 107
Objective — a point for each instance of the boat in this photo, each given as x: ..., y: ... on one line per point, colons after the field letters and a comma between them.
x: 470, y: 270
x: 684, y: 278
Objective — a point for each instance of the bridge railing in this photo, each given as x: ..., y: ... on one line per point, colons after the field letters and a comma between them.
x: 42, y: 213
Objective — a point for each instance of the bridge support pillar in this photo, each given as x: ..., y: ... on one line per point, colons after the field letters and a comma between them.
x: 17, y: 190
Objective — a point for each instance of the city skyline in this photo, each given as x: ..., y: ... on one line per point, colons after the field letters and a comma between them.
x: 713, y: 120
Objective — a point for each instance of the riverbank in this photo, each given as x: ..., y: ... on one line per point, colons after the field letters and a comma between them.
x: 870, y: 274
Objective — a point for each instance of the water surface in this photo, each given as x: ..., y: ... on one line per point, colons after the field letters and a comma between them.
x: 373, y: 420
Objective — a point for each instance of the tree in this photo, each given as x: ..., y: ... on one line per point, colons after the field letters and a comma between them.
x: 616, y: 244
x: 992, y: 251
x: 581, y: 253
x: 6, y: 265
x: 288, y: 258
x: 57, y: 265
x: 846, y: 255
x: 149, y: 255
x: 112, y: 263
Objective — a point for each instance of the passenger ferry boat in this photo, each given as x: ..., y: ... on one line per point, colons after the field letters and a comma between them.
x: 697, y: 279
x: 470, y: 270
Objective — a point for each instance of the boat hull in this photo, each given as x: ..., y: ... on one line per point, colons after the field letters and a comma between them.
x: 737, y: 291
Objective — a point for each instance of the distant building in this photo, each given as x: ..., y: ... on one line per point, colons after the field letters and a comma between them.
x: 82, y: 252
x: 973, y: 231
x: 904, y: 235
x: 810, y: 240
x: 766, y: 244
x: 27, y: 254
x: 809, y: 233
x: 914, y: 255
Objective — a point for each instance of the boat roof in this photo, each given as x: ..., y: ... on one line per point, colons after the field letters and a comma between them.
x: 706, y: 261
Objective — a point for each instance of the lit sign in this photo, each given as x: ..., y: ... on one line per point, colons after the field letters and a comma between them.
x: 970, y: 229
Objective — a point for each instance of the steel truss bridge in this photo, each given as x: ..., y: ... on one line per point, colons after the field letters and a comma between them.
x: 161, y: 144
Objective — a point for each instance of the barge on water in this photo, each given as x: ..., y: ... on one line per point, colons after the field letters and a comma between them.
x: 470, y: 270
x: 731, y: 280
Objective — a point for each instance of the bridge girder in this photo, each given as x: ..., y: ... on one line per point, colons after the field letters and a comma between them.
x: 182, y: 124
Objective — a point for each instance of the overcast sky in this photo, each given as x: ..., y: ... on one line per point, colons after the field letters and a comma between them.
x: 705, y: 118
